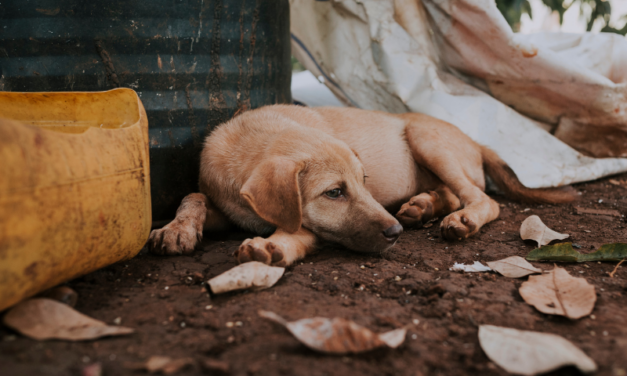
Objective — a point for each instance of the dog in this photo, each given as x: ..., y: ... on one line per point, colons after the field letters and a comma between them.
x: 299, y: 177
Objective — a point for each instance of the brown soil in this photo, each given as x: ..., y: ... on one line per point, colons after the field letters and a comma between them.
x: 163, y: 299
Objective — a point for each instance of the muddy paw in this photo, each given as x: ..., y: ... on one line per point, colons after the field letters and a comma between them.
x: 416, y: 212
x: 177, y: 237
x: 262, y: 250
x: 457, y: 226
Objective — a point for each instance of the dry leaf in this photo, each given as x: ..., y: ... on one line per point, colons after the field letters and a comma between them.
x: 530, y: 353
x: 559, y: 293
x: 161, y: 364
x: 474, y: 268
x: 533, y: 228
x: 513, y: 267
x: 43, y: 319
x: 337, y: 336
x: 254, y: 275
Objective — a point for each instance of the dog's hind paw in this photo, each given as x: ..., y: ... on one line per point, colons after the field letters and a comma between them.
x: 262, y: 250
x: 177, y: 237
x: 458, y: 226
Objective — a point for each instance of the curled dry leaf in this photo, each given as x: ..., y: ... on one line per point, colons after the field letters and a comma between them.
x: 564, y: 252
x: 474, y: 268
x: 513, y: 267
x: 250, y: 275
x: 530, y: 353
x: 559, y: 293
x: 161, y: 364
x: 43, y: 319
x: 337, y: 336
x: 533, y: 228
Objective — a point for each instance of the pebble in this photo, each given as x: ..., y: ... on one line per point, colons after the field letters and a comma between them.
x: 208, y: 307
x: 166, y: 288
x: 362, y: 267
x: 229, y: 324
x: 183, y: 324
x: 117, y: 320
x: 397, y: 278
x: 416, y: 321
x: 239, y: 323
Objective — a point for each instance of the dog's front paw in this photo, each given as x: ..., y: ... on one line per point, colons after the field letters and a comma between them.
x: 457, y: 226
x: 417, y: 211
x: 262, y: 250
x: 177, y: 237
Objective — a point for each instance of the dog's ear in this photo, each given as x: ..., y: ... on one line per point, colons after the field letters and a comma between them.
x: 272, y: 191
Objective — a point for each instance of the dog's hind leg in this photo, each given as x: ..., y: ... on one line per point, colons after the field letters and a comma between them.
x: 422, y: 208
x: 180, y: 236
x: 457, y: 161
x: 280, y: 249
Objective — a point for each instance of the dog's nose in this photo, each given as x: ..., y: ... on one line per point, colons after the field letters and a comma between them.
x: 392, y: 233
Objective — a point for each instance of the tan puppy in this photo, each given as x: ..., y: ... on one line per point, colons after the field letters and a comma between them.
x: 305, y: 175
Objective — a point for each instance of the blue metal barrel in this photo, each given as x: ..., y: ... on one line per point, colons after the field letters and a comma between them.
x: 194, y: 64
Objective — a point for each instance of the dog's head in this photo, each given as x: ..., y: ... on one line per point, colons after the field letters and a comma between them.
x: 320, y: 183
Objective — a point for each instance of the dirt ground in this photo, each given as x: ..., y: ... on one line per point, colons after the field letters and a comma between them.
x: 164, y: 300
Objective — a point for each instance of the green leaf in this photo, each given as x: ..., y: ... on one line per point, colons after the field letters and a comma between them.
x: 564, y: 252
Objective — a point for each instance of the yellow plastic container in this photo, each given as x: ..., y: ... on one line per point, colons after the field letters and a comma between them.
x: 74, y: 186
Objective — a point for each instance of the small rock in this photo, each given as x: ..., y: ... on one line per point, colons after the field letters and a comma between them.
x: 92, y: 370
x: 215, y: 367
x: 197, y: 277
x: 61, y: 294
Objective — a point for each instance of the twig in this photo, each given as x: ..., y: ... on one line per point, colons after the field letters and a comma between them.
x: 616, y: 268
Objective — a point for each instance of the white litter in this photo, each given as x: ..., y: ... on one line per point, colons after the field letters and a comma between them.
x: 477, y: 267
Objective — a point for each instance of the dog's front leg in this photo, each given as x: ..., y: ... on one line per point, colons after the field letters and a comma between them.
x: 182, y: 234
x: 280, y: 249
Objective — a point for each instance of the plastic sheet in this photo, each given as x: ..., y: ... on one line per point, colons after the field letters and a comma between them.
x: 459, y: 61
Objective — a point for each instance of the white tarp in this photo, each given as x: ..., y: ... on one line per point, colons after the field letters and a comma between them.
x: 459, y: 61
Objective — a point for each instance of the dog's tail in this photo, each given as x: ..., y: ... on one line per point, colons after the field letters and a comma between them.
x: 505, y: 178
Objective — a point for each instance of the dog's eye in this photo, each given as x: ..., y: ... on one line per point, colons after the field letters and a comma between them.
x: 334, y: 193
